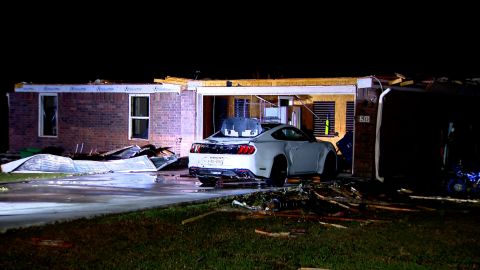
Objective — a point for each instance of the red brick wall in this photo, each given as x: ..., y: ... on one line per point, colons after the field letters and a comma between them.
x: 23, y: 121
x: 165, y: 120
x: 364, y: 141
x: 100, y: 121
x: 187, y: 128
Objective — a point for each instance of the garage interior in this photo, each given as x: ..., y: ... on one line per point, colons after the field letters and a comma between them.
x: 325, y: 117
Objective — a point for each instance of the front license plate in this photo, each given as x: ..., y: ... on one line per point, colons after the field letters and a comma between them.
x: 212, y: 161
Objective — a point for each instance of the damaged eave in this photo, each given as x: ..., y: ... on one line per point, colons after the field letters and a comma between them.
x: 173, y: 80
x: 190, y: 84
x: 278, y: 90
x: 281, y: 82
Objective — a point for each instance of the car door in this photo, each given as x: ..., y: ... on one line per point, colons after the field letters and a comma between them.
x: 300, y: 150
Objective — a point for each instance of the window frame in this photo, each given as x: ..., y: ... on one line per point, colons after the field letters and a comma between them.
x: 131, y: 118
x: 319, y: 124
x: 40, y: 115
x: 246, y: 107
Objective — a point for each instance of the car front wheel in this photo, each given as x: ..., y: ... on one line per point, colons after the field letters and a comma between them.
x: 278, y: 175
x: 329, y: 168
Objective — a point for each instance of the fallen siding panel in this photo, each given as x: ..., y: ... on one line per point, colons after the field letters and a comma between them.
x: 57, y: 164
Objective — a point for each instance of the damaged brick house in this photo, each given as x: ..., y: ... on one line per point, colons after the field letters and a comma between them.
x: 101, y: 117
x: 174, y: 112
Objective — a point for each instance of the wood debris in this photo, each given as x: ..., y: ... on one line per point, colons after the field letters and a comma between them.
x: 333, y: 225
x: 225, y: 209
x: 278, y: 234
x: 438, y: 198
x: 321, y: 197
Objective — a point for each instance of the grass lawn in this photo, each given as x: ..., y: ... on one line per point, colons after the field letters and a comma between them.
x: 15, y: 177
x: 447, y: 238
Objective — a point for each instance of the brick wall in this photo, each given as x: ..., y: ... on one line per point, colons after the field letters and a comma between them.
x: 165, y: 120
x: 23, y: 121
x: 365, y: 129
x: 99, y: 121
x: 188, y: 113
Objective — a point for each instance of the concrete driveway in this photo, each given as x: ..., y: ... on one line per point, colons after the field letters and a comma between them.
x: 46, y: 201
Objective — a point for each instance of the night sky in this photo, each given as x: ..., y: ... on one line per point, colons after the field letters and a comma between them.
x: 132, y: 45
x: 66, y: 44
x: 72, y: 59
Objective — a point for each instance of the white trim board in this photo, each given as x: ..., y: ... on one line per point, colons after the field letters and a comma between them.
x: 111, y: 88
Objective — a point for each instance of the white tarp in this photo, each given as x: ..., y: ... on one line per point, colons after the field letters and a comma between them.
x: 57, y: 164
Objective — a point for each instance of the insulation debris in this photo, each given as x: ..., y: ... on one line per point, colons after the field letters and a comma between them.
x: 127, y: 159
x: 46, y: 163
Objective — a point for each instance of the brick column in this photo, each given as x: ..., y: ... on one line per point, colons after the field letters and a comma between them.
x: 365, y: 129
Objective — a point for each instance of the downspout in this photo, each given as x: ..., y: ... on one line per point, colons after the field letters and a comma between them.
x: 377, y: 136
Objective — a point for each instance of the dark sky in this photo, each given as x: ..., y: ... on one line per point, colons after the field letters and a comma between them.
x: 79, y: 60
x: 132, y: 44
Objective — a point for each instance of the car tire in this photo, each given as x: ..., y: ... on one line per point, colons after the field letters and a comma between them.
x: 329, y: 168
x: 207, y: 181
x: 278, y: 175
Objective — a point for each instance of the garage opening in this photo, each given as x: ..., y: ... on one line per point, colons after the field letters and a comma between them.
x: 325, y: 117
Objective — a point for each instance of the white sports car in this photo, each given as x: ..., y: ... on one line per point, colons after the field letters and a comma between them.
x: 246, y: 149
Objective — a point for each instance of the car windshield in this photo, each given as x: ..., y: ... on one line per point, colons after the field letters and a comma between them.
x: 242, y: 128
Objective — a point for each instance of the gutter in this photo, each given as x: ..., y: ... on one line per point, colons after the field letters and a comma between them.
x: 377, y: 136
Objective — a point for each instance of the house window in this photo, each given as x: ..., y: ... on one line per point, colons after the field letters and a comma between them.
x: 350, y: 116
x: 48, y: 115
x: 242, y: 107
x: 324, y: 125
x: 139, y: 116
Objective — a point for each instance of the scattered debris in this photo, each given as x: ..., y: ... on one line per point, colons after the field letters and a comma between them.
x: 161, y: 156
x: 51, y: 243
x: 224, y: 209
x: 188, y: 220
x: 324, y: 203
x: 391, y: 208
x: 332, y: 225
x: 426, y: 208
x: 125, y: 159
x: 321, y: 197
x: 244, y: 205
x: 405, y: 191
x: 279, y: 234
x: 333, y: 205
x: 46, y: 163
x: 438, y: 198
x: 244, y: 217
